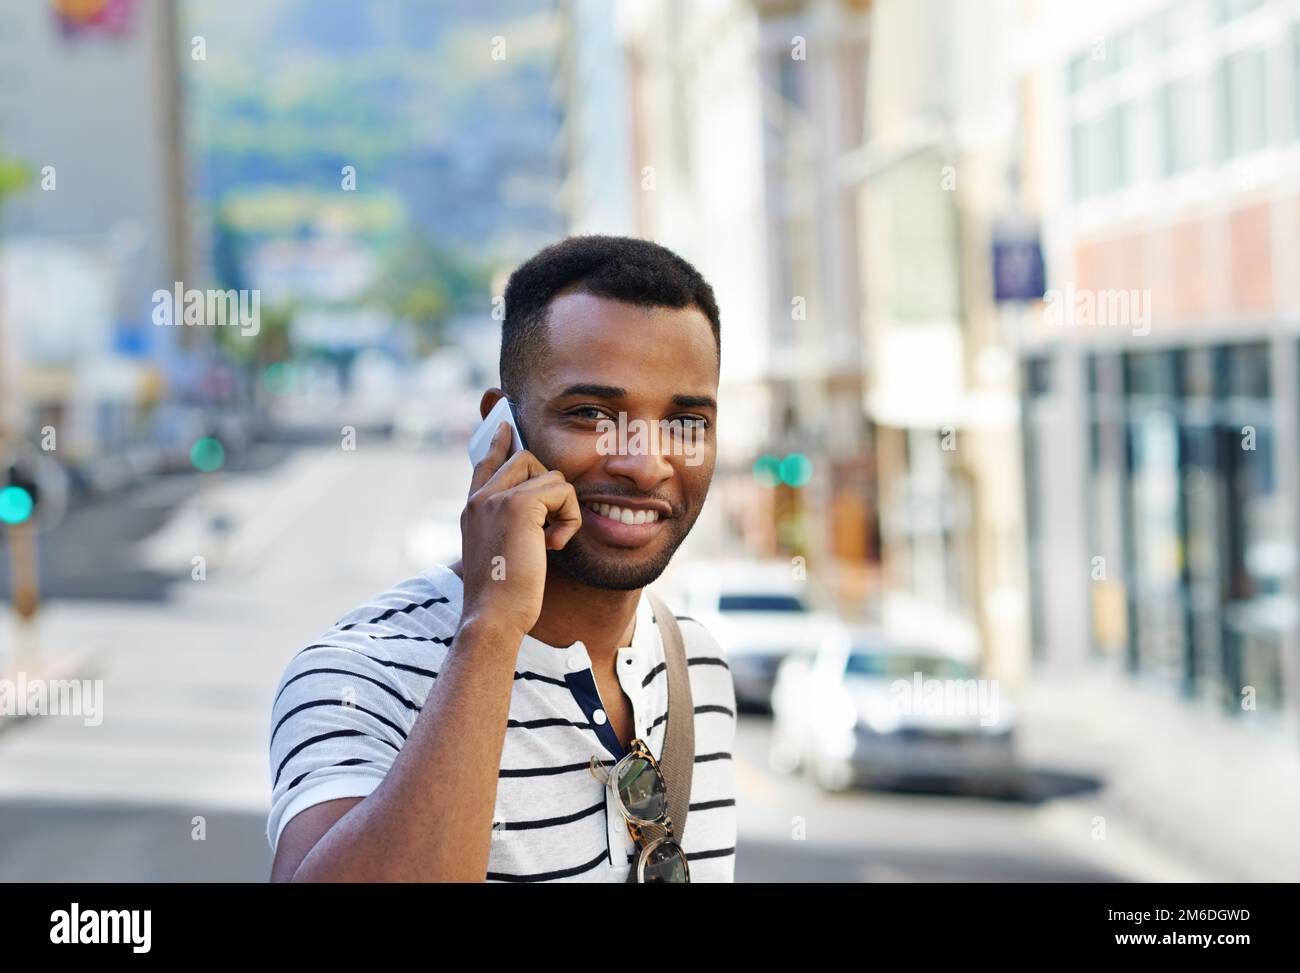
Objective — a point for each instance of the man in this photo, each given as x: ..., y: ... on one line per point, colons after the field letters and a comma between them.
x: 444, y: 731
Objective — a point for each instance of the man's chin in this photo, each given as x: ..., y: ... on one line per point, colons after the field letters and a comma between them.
x: 636, y: 569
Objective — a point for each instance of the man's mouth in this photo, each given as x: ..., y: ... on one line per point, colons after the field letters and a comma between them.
x: 624, y: 525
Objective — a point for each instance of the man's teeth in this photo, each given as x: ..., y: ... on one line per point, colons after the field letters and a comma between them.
x: 624, y: 514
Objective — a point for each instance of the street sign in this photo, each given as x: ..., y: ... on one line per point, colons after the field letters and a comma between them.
x: 1018, y: 272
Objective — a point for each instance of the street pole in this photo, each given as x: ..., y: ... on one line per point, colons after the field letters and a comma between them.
x: 25, y: 587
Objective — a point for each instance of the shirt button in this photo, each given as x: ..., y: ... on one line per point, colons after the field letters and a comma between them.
x: 575, y: 662
x: 599, y: 717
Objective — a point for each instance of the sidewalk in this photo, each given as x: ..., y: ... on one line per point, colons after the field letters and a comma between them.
x: 1196, y: 795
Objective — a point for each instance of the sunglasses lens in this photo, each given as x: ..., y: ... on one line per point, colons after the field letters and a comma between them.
x: 641, y: 790
x: 664, y: 862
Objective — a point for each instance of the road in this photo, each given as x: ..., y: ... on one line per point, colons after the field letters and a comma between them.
x: 173, y: 786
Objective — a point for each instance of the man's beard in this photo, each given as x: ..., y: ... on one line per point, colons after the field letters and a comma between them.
x: 602, y: 570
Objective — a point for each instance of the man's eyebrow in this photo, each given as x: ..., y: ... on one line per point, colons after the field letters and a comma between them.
x: 694, y: 402
x: 615, y: 392
x: 599, y: 391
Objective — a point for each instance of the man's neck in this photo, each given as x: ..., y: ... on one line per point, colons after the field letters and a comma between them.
x: 600, y: 618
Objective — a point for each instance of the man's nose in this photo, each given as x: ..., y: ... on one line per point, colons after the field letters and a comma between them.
x: 645, y: 463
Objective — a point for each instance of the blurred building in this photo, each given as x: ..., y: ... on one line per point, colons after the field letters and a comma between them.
x: 740, y: 112
x: 939, y: 188
x: 600, y: 176
x: 89, y: 103
x: 1160, y: 382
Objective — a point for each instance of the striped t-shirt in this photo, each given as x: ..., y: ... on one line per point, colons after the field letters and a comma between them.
x: 347, y: 702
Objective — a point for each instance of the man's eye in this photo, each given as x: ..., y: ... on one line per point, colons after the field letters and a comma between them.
x: 588, y: 412
x: 694, y: 424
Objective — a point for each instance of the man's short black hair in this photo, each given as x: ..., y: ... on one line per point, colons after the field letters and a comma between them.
x: 615, y: 267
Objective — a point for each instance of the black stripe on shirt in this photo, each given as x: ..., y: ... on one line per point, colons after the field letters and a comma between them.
x: 335, y: 702
x: 712, y: 853
x: 320, y: 738
x: 538, y: 677
x: 355, y: 675
x: 549, y: 771
x: 710, y: 805
x: 692, y: 856
x: 548, y: 876
x: 428, y: 673
x: 401, y: 610
x: 350, y: 762
x: 549, y: 822
x: 410, y: 638
x: 704, y: 660
x: 545, y: 722
x: 706, y: 757
x: 698, y: 711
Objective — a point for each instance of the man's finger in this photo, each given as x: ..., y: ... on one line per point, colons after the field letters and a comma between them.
x: 563, y: 513
x: 519, y: 468
x: 562, y: 517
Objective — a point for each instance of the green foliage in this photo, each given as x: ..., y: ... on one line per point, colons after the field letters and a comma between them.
x: 424, y: 286
x: 270, y: 344
x: 14, y: 176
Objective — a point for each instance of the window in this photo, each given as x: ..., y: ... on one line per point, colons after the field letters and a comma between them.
x: 760, y: 603
x: 1232, y: 9
x: 1243, y: 103
x: 1179, y: 124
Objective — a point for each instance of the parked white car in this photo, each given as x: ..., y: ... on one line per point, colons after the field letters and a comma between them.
x: 760, y: 614
x: 871, y: 710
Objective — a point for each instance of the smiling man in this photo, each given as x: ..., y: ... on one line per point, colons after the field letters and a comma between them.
x: 444, y: 731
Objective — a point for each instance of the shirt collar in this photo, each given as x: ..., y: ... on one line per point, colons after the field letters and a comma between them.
x: 558, y: 661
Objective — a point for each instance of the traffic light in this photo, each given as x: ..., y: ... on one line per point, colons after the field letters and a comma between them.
x: 18, y: 496
x: 33, y: 491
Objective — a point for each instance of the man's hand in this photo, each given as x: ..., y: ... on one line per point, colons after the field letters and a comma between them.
x: 517, y: 510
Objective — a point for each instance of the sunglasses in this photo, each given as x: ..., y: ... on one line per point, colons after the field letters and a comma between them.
x: 642, y: 798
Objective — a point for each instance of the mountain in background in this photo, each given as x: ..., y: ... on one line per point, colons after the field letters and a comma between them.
x: 449, y: 145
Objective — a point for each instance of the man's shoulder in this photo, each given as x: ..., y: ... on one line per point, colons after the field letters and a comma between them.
x: 425, y: 605
x: 398, y: 634
x: 698, y: 640
x: 707, y: 664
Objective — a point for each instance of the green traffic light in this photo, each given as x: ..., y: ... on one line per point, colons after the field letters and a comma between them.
x: 767, y: 470
x: 207, y: 454
x: 796, y: 470
x: 15, y: 505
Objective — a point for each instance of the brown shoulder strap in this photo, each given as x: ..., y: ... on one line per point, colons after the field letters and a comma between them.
x: 677, y: 761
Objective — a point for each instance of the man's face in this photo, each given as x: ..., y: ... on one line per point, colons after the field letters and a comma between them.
x: 658, y: 368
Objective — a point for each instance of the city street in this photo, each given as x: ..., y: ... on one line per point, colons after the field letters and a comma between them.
x: 190, y: 666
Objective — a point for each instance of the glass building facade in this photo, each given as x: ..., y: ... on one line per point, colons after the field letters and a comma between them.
x: 1189, y: 548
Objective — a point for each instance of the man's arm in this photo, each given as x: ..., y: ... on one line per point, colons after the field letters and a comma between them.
x: 430, y: 820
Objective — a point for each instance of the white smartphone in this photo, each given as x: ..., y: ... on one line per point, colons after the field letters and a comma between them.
x: 482, y: 438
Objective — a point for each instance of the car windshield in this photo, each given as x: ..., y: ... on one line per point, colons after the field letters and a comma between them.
x: 890, y: 665
x: 760, y: 603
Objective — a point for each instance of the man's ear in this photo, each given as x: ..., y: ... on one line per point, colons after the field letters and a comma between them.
x: 490, y: 398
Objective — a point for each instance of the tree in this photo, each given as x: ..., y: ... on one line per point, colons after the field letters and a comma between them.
x: 425, y: 285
